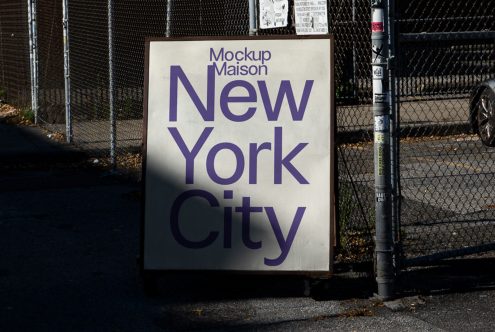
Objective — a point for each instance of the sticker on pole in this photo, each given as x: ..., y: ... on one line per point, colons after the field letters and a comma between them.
x: 238, y: 159
x: 377, y: 20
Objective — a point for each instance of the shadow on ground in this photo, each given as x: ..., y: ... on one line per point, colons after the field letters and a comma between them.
x: 449, y: 276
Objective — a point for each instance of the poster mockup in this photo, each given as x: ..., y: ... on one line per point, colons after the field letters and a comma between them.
x: 238, y: 163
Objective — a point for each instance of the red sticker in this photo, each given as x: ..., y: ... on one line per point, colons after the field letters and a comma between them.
x: 377, y: 26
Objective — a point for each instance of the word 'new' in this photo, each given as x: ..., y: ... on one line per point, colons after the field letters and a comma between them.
x: 207, y: 109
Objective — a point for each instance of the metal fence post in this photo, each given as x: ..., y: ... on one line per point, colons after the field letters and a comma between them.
x: 253, y: 23
x: 111, y: 92
x: 169, y: 20
x: 68, y: 115
x: 394, y: 133
x: 381, y: 115
x: 2, y: 66
x: 33, y: 57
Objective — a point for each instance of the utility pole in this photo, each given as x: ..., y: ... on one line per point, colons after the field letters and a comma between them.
x: 384, y: 250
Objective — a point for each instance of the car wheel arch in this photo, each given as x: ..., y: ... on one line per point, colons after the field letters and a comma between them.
x: 475, y: 97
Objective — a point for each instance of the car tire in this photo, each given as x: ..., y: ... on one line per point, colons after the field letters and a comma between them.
x: 485, y: 117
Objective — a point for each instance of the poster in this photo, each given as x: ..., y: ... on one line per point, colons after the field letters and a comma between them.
x: 273, y: 13
x: 238, y: 155
x: 311, y: 17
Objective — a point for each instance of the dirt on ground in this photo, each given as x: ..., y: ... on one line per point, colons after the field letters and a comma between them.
x: 12, y: 115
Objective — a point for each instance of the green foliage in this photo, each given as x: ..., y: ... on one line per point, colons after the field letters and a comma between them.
x: 27, y: 114
x: 3, y: 93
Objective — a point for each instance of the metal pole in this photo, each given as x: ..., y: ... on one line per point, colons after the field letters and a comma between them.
x: 169, y: 20
x: 354, y: 56
x: 111, y: 92
x: 2, y: 65
x: 35, y: 60
x: 68, y: 115
x: 33, y: 56
x: 253, y: 23
x: 395, y: 134
x: 381, y: 113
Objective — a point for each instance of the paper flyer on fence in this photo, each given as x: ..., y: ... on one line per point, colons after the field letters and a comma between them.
x: 273, y: 13
x: 311, y: 17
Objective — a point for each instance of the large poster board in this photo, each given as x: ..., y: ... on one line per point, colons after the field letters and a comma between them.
x: 238, y: 154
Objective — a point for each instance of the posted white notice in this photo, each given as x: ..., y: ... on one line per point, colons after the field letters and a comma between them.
x: 273, y: 13
x: 311, y: 17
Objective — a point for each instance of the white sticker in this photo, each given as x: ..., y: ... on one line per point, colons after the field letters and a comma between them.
x: 379, y: 95
x: 382, y: 123
x: 378, y: 72
x: 377, y: 20
x: 379, y: 138
x: 273, y: 13
x: 382, y: 197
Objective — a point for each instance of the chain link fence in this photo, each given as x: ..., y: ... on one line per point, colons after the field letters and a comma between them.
x: 350, y: 24
x: 97, y: 123
x: 209, y: 18
x: 14, y: 53
x: 51, y: 101
x: 89, y: 74
x: 446, y: 49
x: 99, y: 126
x: 133, y: 21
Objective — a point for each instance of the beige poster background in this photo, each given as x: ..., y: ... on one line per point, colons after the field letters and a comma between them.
x: 234, y: 225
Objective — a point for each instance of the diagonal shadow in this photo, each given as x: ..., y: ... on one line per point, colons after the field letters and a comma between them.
x: 31, y: 145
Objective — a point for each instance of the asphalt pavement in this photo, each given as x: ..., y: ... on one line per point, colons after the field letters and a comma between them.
x: 69, y: 240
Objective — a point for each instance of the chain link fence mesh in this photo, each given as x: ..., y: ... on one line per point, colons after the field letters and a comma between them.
x: 350, y: 24
x: 446, y: 48
x: 51, y: 99
x: 133, y: 21
x: 89, y: 72
x: 209, y: 18
x: 15, y: 80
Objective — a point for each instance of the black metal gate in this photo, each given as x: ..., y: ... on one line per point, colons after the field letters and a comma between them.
x: 445, y: 49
